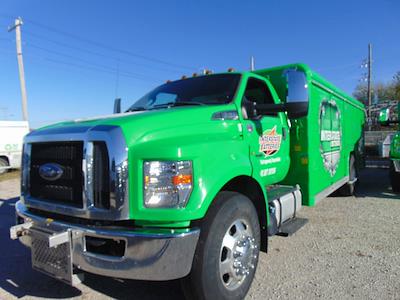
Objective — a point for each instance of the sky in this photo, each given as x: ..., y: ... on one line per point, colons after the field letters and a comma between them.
x: 80, y: 55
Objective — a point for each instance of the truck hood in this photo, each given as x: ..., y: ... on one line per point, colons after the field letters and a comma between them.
x: 145, y: 124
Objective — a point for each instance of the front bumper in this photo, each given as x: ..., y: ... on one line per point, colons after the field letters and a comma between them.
x: 147, y: 256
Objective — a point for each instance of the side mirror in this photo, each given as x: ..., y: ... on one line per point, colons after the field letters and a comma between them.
x: 296, y: 109
x: 383, y: 118
x: 250, y: 108
x: 297, y: 96
x: 117, y: 105
x: 267, y: 109
x: 255, y: 111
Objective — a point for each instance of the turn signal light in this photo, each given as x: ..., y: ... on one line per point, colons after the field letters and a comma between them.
x: 182, y: 179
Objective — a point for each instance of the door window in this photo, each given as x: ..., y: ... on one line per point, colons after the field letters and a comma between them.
x: 256, y: 91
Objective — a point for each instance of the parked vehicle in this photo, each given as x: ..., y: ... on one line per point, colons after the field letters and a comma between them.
x: 190, y: 181
x: 11, y: 138
x: 385, y: 119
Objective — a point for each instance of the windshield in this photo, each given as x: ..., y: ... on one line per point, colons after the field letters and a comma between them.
x: 203, y: 90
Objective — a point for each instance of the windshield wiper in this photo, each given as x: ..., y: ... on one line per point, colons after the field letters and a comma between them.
x: 180, y: 103
x: 139, y: 108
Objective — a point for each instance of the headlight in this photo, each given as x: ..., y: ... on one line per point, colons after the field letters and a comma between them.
x: 167, y: 184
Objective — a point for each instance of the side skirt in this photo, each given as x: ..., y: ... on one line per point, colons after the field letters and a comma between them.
x: 330, y: 189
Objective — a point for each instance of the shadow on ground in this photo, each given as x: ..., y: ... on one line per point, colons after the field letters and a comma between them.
x: 374, y: 182
x: 19, y: 279
x: 16, y: 275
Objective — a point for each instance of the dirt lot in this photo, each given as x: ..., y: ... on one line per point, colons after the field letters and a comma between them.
x: 350, y: 249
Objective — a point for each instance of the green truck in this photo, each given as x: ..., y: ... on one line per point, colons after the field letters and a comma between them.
x: 191, y: 181
x: 385, y: 119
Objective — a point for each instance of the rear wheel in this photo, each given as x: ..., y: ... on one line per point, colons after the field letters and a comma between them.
x: 349, y: 188
x: 394, y: 178
x: 227, y: 252
x: 3, y: 166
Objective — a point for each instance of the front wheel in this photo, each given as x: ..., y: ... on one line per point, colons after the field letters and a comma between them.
x: 227, y: 252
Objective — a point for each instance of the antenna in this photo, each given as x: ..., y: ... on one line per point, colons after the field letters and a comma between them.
x: 252, y: 63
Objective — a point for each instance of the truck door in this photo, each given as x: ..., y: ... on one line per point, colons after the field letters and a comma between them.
x: 268, y: 136
x: 331, y: 138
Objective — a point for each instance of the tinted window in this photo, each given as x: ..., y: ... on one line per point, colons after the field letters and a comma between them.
x: 258, y: 91
x: 209, y: 89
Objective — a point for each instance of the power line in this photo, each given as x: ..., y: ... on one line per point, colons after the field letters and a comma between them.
x: 85, y: 50
x: 79, y: 66
x: 86, y: 61
x: 109, y: 48
x: 341, y: 67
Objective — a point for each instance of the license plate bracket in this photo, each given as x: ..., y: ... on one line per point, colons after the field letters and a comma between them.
x: 53, y: 261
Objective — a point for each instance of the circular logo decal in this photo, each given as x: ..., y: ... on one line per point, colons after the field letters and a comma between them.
x: 270, y: 142
x: 51, y: 171
x: 330, y: 135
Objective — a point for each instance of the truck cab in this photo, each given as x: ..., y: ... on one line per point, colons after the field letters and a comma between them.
x: 190, y: 181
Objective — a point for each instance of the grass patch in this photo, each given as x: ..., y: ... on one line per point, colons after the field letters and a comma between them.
x: 10, y: 175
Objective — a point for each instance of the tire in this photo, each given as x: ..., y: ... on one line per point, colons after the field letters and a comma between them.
x: 349, y: 188
x: 394, y: 178
x: 227, y: 253
x: 3, y: 163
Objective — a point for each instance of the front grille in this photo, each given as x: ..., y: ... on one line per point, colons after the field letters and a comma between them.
x: 68, y: 188
x: 101, y: 177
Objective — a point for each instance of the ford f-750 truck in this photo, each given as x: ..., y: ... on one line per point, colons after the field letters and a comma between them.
x: 190, y: 181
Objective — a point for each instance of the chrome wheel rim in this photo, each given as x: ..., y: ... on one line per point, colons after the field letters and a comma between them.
x: 238, y: 254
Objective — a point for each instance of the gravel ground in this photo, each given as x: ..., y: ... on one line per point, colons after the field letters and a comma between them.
x: 350, y: 249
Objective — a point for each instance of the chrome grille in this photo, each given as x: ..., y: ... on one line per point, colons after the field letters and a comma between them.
x: 101, y: 176
x: 68, y: 188
x: 95, y: 186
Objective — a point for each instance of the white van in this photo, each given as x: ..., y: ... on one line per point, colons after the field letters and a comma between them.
x: 11, y: 137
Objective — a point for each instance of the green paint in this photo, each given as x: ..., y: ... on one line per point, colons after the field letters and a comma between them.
x: 269, y: 150
x: 395, y: 145
x: 384, y: 120
x: 330, y: 135
x: 314, y: 164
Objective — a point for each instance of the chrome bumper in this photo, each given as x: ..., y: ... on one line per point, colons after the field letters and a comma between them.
x: 147, y: 256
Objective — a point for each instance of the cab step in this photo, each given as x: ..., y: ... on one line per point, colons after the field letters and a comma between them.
x: 291, y: 226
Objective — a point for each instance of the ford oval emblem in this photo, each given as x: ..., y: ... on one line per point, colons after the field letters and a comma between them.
x: 51, y: 171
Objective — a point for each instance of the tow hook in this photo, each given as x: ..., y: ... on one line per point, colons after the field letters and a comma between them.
x: 19, y: 230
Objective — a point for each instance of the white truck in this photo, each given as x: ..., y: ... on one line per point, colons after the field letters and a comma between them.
x: 11, y: 138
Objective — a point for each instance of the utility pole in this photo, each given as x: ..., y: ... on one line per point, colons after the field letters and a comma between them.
x: 17, y: 27
x: 369, y: 80
x: 252, y: 63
